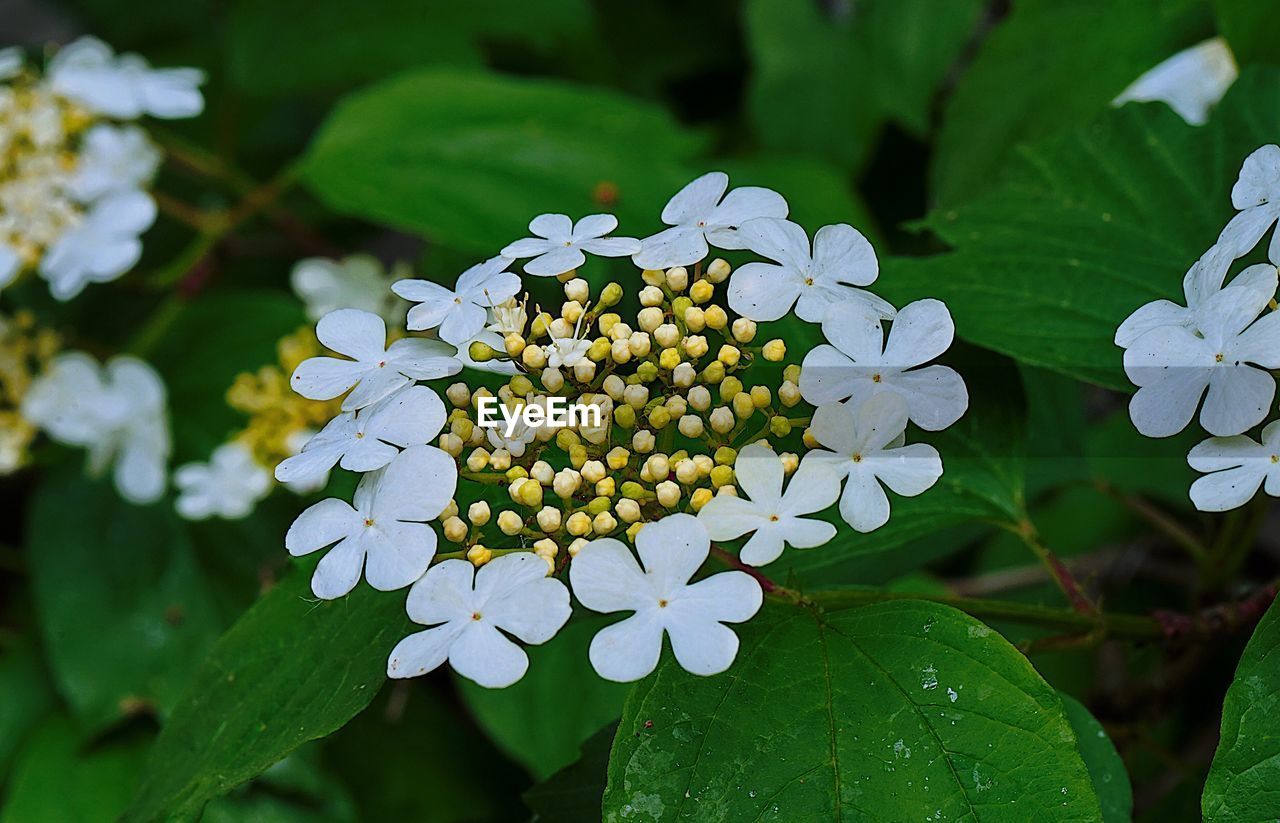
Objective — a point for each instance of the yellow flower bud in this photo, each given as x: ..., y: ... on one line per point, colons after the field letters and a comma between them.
x: 775, y: 350
x: 683, y: 375
x: 633, y: 490
x: 567, y: 439
x: 479, y: 555
x: 761, y: 396
x: 531, y: 494
x: 620, y: 331
x: 614, y: 386
x: 624, y: 416
x: 552, y: 380
x: 721, y: 420
x: 700, y: 498
x: 455, y: 530
x: 809, y: 440
x: 500, y: 460
x: 513, y: 343
x: 480, y: 352
x: 577, y: 290
x: 668, y: 494
x: 789, y: 393
x: 617, y: 458
x: 729, y: 355
x: 699, y: 398
x: 577, y: 546
x: 607, y: 321
x: 705, y: 464
x: 687, y: 472
x: 633, y: 530
x: 620, y: 351
x: 640, y: 344
x: 718, y: 270
x: 658, y: 467
x: 533, y: 357
x: 676, y: 405
x: 651, y: 296
x: 560, y: 328
x: 779, y: 426
x: 727, y: 490
x: 716, y: 318
x: 548, y: 518
x: 701, y: 291
x: 691, y: 425
x: 695, y: 320
x: 598, y: 504
x: 606, y: 487
x: 584, y: 371
x: 743, y: 407
x: 653, y: 277
x: 646, y: 372
x: 593, y: 471
x: 478, y: 513
x: 628, y: 510
x: 541, y: 322
x: 642, y: 441
x: 516, y: 472
x: 566, y: 482
x: 668, y: 359
x: 450, y: 510
x: 792, y: 373
x: 744, y: 330
x: 546, y: 547
x: 726, y: 456
x: 659, y: 417
x: 578, y: 524
x: 721, y: 476
x: 459, y: 394
x: 649, y: 318
x: 599, y: 349
x: 477, y: 460
x: 542, y: 472
x: 577, y: 456
x: 609, y: 295
x: 603, y: 523
x: 790, y: 462
x: 509, y: 522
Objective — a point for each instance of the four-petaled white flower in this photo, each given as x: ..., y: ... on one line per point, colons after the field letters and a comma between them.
x: 117, y: 413
x: 699, y: 218
x: 460, y: 313
x: 374, y: 370
x: 125, y: 87
x: 387, y: 533
x: 860, y: 363
x: 841, y: 259
x: 1256, y: 195
x: 567, y: 352
x: 470, y: 610
x: 1238, y: 466
x: 102, y: 247
x: 775, y: 517
x: 369, y: 439
x: 228, y: 486
x: 606, y: 578
x: 112, y: 159
x: 559, y: 244
x: 866, y: 446
x: 355, y: 282
x: 1191, y: 82
x: 1174, y: 365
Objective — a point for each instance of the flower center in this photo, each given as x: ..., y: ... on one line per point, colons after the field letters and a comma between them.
x: 857, y: 458
x: 368, y: 522
x: 476, y: 615
x: 876, y: 378
x: 1219, y: 357
x: 1275, y: 458
x: 382, y: 364
x: 662, y: 604
x: 773, y: 518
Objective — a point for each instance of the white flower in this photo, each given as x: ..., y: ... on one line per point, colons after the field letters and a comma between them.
x: 699, y: 217
x: 369, y: 439
x: 775, y: 517
x: 295, y: 444
x: 113, y: 159
x: 509, y: 316
x: 459, y: 314
x: 1191, y: 82
x: 470, y: 611
x: 861, y: 364
x: 11, y: 62
x: 228, y: 486
x: 606, y: 578
x: 841, y: 259
x: 10, y: 264
x: 1174, y: 365
x: 387, y: 532
x: 355, y: 282
x: 125, y: 87
x: 522, y: 434
x: 117, y: 413
x: 567, y: 352
x: 559, y: 243
x: 866, y: 445
x: 102, y: 247
x: 1256, y: 195
x: 374, y: 369
x: 1239, y: 466
x: 494, y: 365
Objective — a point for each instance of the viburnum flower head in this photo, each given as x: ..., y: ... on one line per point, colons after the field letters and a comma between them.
x: 228, y: 486
x: 358, y: 281
x: 860, y: 363
x: 606, y: 578
x: 374, y: 370
x: 459, y: 313
x: 387, y: 533
x: 124, y: 87
x: 559, y: 244
x: 702, y: 215
x: 471, y: 612
x: 775, y: 518
x: 1174, y: 366
x: 1237, y: 467
x: 113, y: 159
x: 865, y: 442
x: 841, y: 259
x: 102, y: 247
x: 368, y: 439
x: 1256, y: 195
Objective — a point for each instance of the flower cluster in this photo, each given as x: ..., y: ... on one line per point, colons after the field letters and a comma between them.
x: 73, y: 175
x: 1219, y: 348
x: 25, y: 352
x: 691, y: 420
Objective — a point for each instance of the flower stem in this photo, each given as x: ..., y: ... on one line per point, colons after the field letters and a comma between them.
x: 1058, y: 570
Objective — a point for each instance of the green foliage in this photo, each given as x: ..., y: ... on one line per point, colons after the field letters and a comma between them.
x: 1106, y: 769
x: 851, y: 714
x: 1251, y: 29
x: 27, y: 698
x: 574, y: 794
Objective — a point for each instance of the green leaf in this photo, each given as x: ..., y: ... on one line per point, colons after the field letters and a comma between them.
x: 574, y: 794
x: 291, y: 669
x: 1051, y: 65
x: 125, y: 611
x: 897, y: 711
x: 1251, y: 28
x: 1244, y: 780
x: 1106, y: 769
x: 517, y: 718
x: 27, y: 696
x: 825, y: 78
x: 1088, y: 227
x: 467, y: 159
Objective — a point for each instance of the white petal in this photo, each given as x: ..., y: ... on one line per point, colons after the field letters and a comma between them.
x: 518, y: 597
x: 593, y: 226
x: 443, y: 594
x: 375, y: 384
x: 758, y: 472
x: 483, y: 655
x: 761, y: 292
x: 411, y: 417
x: 879, y: 420
x: 321, y: 525
x: 729, y: 597
x: 1239, y: 398
x: 1151, y: 316
x: 1244, y: 230
x: 743, y: 204
x: 627, y: 650
x: 1259, y: 180
x: 423, y: 359
x: 556, y: 261
x: 1165, y: 408
x: 909, y: 470
x: 833, y: 426
x: 920, y: 332
x: 703, y: 648
x: 1228, y: 489
x: 812, y: 488
x: 818, y: 299
x: 764, y: 547
x: 1260, y: 343
x: 935, y: 395
x: 1190, y: 82
x: 696, y: 200
x: 726, y: 517
x: 1229, y: 312
x: 463, y: 322
x: 416, y: 486
x: 678, y: 246
x: 422, y: 652
x: 528, y: 247
x: 611, y: 246
x: 339, y: 570
x: 606, y: 578
x: 556, y: 227
x: 807, y: 532
x: 779, y: 240
x: 672, y: 550
x: 864, y: 505
x: 827, y: 376
x: 842, y: 254
x: 397, y: 554
x: 360, y: 335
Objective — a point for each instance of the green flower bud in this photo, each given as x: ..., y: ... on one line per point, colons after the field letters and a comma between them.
x: 481, y: 352
x: 780, y: 426
x: 624, y: 416
x: 609, y: 295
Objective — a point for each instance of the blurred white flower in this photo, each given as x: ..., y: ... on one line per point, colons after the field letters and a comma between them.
x: 355, y: 282
x: 10, y: 264
x: 88, y: 72
x: 375, y: 370
x: 559, y: 243
x: 699, y: 217
x: 11, y: 61
x: 774, y: 516
x: 460, y: 314
x: 387, y: 533
x: 841, y: 259
x: 470, y: 611
x: 102, y: 247
x: 1238, y: 466
x: 606, y: 578
x: 228, y: 486
x: 866, y: 446
x: 1191, y: 82
x: 861, y: 363
x: 113, y: 159
x: 1256, y: 195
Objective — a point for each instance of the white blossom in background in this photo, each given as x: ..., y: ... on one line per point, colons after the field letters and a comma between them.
x: 776, y: 519
x: 865, y: 443
x: 861, y: 363
x: 356, y: 282
x: 113, y: 158
x: 1256, y: 196
x: 702, y: 215
x: 560, y: 245
x: 387, y: 534
x: 118, y: 413
x: 1224, y: 360
x: 459, y: 313
x: 606, y: 578
x: 228, y: 486
x: 123, y: 87
x: 841, y: 260
x: 11, y: 60
x: 374, y: 370
x: 369, y: 439
x: 471, y: 613
x: 1191, y: 82
x: 101, y: 247
x: 1236, y: 468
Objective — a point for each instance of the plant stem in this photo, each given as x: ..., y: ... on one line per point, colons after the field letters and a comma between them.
x: 1058, y: 570
x: 1160, y: 520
